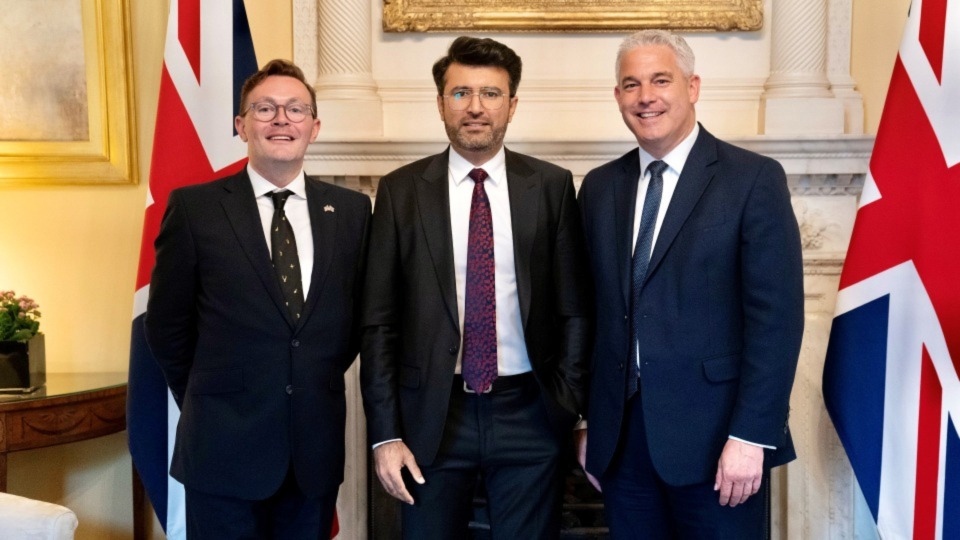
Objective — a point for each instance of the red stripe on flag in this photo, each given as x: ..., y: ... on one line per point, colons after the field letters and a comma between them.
x: 188, y: 24
x: 933, y: 26
x: 178, y: 160
x: 928, y: 452
x: 916, y: 217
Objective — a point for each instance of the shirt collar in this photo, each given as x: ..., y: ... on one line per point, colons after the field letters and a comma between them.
x: 496, y: 167
x: 676, y: 157
x: 262, y: 186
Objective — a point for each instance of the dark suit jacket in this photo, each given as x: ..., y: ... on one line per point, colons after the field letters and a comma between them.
x: 257, y: 390
x: 411, y: 335
x: 722, y: 310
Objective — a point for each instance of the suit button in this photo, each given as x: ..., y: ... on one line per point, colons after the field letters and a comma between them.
x: 453, y: 350
x: 620, y: 366
x: 626, y: 318
x: 289, y: 389
x: 295, y: 343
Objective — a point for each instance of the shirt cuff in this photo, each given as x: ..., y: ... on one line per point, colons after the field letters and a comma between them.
x: 753, y: 443
x: 381, y: 443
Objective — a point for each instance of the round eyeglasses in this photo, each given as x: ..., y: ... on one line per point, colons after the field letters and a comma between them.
x: 490, y: 99
x: 265, y: 111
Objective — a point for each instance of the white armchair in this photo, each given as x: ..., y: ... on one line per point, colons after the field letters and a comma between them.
x: 28, y: 519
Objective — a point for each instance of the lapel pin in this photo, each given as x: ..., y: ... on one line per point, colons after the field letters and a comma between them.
x: 328, y: 208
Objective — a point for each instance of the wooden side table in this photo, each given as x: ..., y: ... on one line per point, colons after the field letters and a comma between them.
x: 70, y: 407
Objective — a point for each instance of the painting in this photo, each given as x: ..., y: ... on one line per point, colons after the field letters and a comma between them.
x: 570, y: 15
x: 67, y: 93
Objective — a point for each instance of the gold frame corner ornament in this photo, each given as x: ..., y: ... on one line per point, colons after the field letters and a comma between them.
x: 109, y: 155
x: 570, y: 16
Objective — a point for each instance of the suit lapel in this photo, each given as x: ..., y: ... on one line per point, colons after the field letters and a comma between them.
x: 523, y: 186
x: 240, y: 206
x: 433, y: 203
x: 323, y: 224
x: 625, y: 197
x: 697, y: 173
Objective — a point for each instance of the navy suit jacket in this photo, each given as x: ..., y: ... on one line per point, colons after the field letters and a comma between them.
x: 721, y: 310
x: 410, y: 325
x: 257, y: 390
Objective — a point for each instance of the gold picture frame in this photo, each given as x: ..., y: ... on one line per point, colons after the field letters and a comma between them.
x: 570, y: 15
x: 105, y: 153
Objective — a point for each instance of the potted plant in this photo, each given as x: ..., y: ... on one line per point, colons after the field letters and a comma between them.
x: 22, y: 358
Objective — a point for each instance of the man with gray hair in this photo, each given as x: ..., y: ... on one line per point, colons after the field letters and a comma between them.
x: 696, y: 261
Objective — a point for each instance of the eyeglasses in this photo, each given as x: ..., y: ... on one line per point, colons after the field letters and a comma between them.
x: 490, y: 98
x: 265, y: 111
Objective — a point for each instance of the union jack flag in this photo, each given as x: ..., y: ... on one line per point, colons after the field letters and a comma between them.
x: 207, y: 56
x: 890, y: 380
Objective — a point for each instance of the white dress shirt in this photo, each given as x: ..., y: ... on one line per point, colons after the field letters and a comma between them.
x: 512, y: 357
x: 671, y: 176
x: 297, y: 214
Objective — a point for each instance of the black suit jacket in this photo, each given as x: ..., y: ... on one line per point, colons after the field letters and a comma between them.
x: 257, y: 390
x: 722, y: 310
x: 411, y: 335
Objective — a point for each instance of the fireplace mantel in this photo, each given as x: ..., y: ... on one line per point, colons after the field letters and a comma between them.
x: 825, y: 176
x: 806, y: 155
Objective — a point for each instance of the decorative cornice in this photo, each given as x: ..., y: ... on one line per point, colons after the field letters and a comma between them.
x: 825, y: 184
x: 829, y: 265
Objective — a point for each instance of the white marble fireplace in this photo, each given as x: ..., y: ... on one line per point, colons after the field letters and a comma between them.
x: 785, y: 92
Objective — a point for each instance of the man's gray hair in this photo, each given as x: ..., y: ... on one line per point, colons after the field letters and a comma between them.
x: 676, y: 43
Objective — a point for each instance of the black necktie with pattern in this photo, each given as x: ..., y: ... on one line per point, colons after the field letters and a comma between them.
x: 285, y: 259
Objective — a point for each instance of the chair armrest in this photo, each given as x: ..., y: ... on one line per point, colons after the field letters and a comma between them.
x: 31, y: 519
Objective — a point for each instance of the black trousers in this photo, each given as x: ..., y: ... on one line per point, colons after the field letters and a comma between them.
x: 639, y: 505
x: 505, y: 437
x: 286, y: 515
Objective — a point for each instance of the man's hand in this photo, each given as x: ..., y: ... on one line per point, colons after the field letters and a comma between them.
x: 739, y: 472
x: 580, y: 443
x: 389, y: 459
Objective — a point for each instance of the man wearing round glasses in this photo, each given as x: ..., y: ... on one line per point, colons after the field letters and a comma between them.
x: 250, y: 317
x: 475, y: 320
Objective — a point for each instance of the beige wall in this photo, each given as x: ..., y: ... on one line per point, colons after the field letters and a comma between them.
x: 74, y: 249
x: 877, y: 28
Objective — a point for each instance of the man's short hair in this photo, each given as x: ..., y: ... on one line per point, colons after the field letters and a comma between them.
x: 280, y: 67
x: 480, y: 52
x: 681, y: 49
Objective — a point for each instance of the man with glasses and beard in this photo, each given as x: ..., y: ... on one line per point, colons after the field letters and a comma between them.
x: 475, y: 326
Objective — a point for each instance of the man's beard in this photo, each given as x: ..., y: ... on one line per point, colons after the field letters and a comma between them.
x: 475, y: 143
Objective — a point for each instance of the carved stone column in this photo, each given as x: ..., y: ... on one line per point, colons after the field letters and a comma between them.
x: 331, y: 42
x: 338, y: 58
x: 839, y: 28
x: 798, y: 99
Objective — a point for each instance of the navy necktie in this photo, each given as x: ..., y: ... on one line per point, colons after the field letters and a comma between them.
x: 641, y: 259
x: 285, y: 259
x: 480, y: 305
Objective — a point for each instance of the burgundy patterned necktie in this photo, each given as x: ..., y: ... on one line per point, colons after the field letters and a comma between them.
x: 480, y: 306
